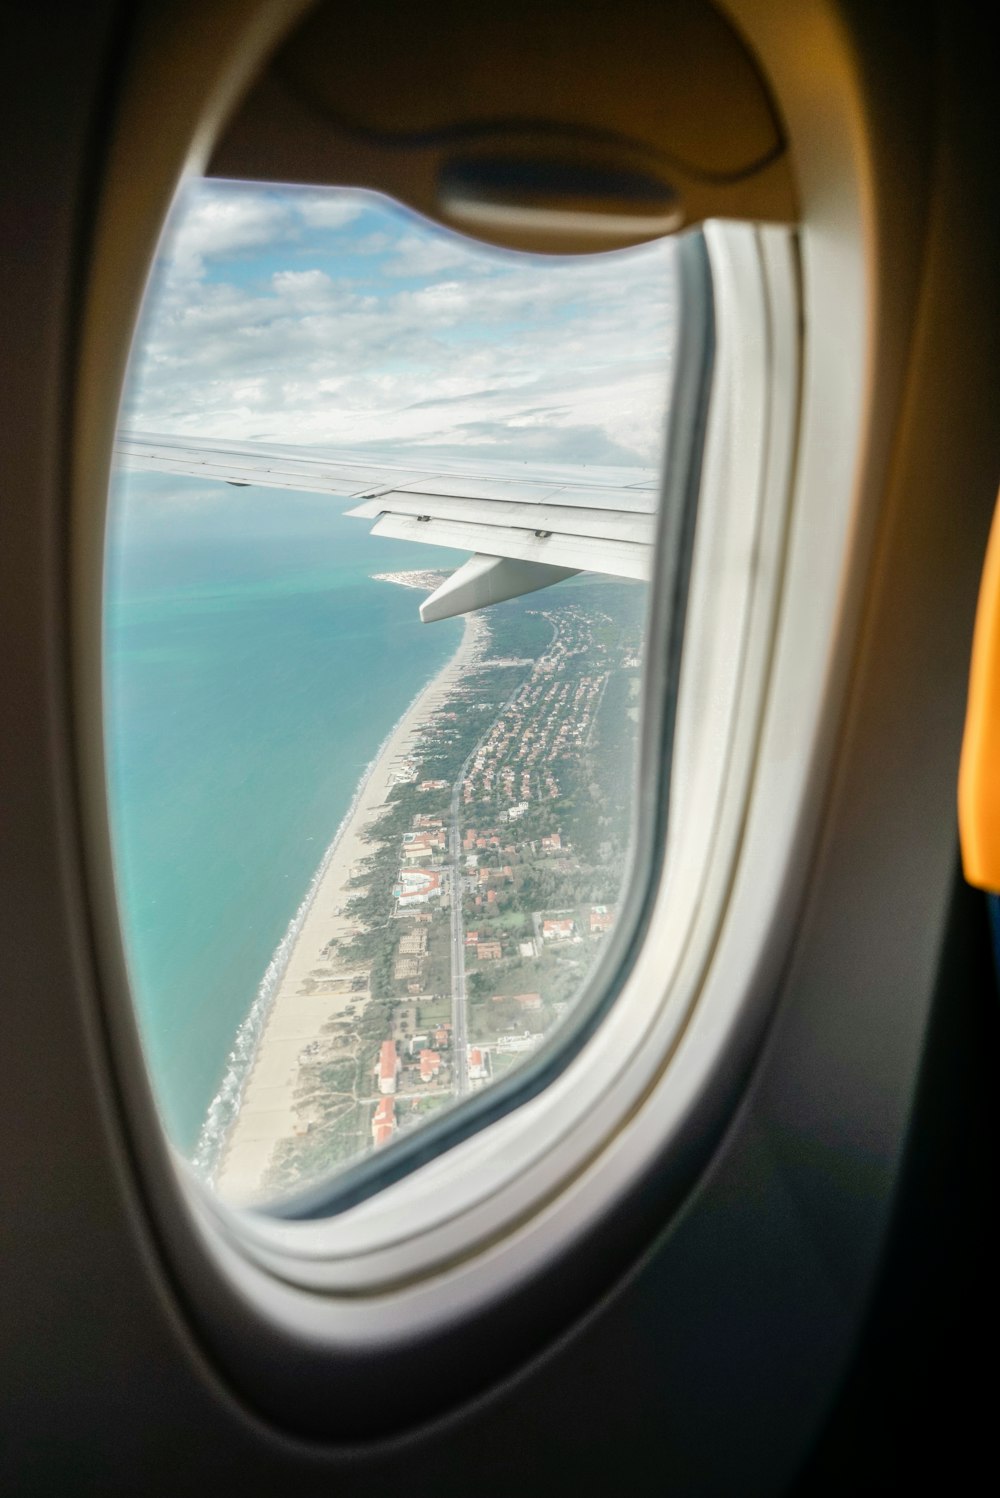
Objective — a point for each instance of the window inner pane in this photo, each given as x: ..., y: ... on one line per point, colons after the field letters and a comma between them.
x: 364, y: 864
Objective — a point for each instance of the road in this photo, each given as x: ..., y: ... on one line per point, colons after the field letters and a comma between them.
x: 459, y: 998
x: 459, y: 1001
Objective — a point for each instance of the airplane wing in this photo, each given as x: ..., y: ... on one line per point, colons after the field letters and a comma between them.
x: 528, y: 525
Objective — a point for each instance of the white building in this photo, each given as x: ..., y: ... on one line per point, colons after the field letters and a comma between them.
x: 388, y: 1067
x: 417, y: 886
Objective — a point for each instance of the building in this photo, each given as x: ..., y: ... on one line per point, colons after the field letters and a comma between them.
x: 526, y: 1000
x: 430, y: 1065
x: 384, y: 1121
x: 388, y: 1067
x: 433, y: 785
x: 417, y: 886
x: 489, y: 951
x: 414, y: 944
x: 601, y: 919
x: 404, y: 772
x: 514, y: 1044
x: 560, y: 929
x: 479, y: 1064
x: 551, y: 842
x: 527, y: 949
x: 418, y: 847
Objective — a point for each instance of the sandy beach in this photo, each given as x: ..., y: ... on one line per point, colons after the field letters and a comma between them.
x: 314, y: 989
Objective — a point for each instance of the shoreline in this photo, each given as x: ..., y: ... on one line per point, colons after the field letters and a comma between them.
x: 304, y: 988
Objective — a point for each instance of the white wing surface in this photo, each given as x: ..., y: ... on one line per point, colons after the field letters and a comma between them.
x: 529, y: 525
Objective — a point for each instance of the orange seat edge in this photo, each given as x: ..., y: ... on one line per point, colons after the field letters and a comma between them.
x: 979, y: 770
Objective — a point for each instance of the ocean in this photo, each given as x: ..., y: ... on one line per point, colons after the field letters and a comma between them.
x: 253, y: 668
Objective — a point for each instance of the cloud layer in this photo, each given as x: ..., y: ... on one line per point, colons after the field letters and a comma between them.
x: 334, y: 318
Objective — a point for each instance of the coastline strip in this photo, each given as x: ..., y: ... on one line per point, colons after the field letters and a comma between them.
x: 254, y: 1108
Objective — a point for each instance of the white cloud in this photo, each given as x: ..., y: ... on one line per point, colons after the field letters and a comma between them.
x: 299, y: 282
x: 501, y: 353
x: 300, y: 292
x: 427, y: 254
x: 327, y: 210
x: 213, y: 225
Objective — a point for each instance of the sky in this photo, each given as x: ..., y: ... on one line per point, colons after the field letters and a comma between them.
x: 333, y: 318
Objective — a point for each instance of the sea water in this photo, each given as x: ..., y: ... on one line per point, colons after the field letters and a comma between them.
x: 253, y: 668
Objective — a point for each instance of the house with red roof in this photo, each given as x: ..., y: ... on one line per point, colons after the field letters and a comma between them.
x: 387, y: 1067
x: 384, y: 1121
x: 430, y: 1065
x: 559, y: 929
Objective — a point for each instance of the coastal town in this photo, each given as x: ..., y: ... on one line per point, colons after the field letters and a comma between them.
x: 484, y: 878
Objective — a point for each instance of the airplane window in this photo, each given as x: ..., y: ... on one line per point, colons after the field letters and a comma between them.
x: 366, y: 864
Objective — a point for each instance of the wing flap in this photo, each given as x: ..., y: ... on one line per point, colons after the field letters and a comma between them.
x: 580, y: 553
x: 530, y: 492
x: 611, y: 525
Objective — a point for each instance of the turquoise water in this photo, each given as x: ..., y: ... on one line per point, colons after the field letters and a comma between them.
x: 253, y: 668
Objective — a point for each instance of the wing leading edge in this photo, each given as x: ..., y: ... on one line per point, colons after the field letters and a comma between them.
x: 528, y: 526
